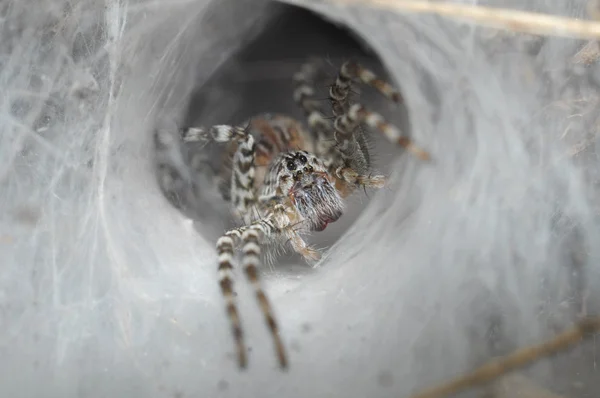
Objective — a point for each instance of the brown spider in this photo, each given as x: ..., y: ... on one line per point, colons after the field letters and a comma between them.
x: 284, y: 181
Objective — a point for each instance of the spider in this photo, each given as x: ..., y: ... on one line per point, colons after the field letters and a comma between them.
x: 284, y: 181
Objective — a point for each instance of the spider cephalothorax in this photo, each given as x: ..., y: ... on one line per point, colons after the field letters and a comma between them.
x: 283, y: 180
x: 303, y: 179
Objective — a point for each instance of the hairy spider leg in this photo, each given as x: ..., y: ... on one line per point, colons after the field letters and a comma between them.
x: 275, y: 225
x: 304, y: 95
x: 348, y: 117
x: 357, y: 114
x: 351, y: 154
x: 274, y: 134
x: 243, y: 194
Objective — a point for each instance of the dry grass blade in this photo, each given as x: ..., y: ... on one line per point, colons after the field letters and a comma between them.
x: 518, y: 359
x: 499, y: 18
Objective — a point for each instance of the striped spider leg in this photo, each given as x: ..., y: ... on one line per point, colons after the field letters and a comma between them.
x: 251, y: 237
x: 242, y: 195
x: 349, y: 116
x: 347, y: 155
x: 242, y: 178
x: 296, y: 196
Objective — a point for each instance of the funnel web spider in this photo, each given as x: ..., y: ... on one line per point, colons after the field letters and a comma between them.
x: 283, y: 180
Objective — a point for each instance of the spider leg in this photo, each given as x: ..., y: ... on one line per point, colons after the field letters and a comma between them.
x: 349, y: 117
x: 250, y: 261
x: 351, y: 71
x: 348, y: 161
x: 286, y: 227
x: 349, y: 175
x: 304, y: 96
x: 300, y: 246
x: 250, y: 237
x: 358, y: 114
x: 225, y: 246
x: 242, y: 176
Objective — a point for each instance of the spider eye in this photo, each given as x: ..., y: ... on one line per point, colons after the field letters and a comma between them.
x: 302, y: 158
x: 291, y: 165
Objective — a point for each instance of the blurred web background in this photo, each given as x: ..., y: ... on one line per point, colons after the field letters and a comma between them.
x: 106, y: 290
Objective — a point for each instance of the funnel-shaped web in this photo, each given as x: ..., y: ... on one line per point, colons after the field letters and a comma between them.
x: 107, y: 290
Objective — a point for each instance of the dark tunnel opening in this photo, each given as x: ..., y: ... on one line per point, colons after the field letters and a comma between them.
x: 258, y: 79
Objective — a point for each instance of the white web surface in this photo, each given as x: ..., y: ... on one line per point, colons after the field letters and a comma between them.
x: 106, y: 291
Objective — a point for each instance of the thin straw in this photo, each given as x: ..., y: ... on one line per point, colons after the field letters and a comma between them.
x: 498, y: 18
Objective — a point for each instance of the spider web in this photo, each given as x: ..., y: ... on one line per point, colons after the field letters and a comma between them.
x: 106, y: 290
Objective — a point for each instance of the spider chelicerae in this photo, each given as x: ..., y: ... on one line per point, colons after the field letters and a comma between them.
x: 284, y: 181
